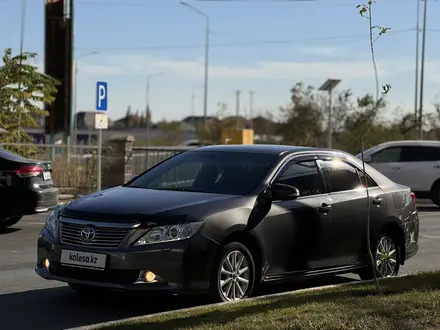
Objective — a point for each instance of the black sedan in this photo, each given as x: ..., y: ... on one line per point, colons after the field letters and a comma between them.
x: 226, y: 219
x: 26, y: 187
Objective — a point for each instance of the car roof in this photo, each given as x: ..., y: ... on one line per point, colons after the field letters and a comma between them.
x: 399, y: 143
x: 273, y: 149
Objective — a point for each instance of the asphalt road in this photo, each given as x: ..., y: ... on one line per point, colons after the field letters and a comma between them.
x: 28, y: 302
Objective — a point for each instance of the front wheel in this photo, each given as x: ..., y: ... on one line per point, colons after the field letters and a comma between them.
x: 8, y: 222
x: 387, y: 259
x: 233, y: 277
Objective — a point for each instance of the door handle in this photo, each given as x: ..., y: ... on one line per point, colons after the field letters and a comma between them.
x: 436, y: 166
x: 324, y: 208
x: 377, y: 200
x: 396, y: 168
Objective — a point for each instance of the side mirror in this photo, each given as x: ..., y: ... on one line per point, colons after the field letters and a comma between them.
x: 284, y: 192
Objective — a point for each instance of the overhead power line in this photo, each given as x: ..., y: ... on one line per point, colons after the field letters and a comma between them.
x: 354, y: 37
x: 232, y: 4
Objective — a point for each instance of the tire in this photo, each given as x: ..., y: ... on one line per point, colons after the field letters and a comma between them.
x: 386, y: 243
x: 242, y: 270
x: 435, y: 194
x: 8, y: 222
x: 86, y: 290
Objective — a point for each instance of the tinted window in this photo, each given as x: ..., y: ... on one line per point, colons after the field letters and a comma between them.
x: 371, y: 183
x: 340, y: 176
x: 304, y: 176
x: 420, y: 154
x: 210, y: 172
x: 389, y: 155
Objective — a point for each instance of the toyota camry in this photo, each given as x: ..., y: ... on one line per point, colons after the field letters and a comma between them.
x: 225, y: 219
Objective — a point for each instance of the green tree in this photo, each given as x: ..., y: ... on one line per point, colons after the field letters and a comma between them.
x: 23, y: 91
x: 302, y: 119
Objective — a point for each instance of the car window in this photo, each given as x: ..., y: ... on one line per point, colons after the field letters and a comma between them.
x: 388, y: 155
x: 340, y: 176
x: 181, y: 176
x: 370, y: 181
x: 420, y: 154
x: 303, y: 175
x: 218, y: 172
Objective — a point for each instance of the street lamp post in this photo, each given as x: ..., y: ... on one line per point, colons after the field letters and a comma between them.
x: 147, y: 102
x: 205, y: 86
x: 328, y: 86
x: 193, y: 97
x: 73, y: 126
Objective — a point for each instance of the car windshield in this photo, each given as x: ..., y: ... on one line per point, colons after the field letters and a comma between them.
x: 215, y: 172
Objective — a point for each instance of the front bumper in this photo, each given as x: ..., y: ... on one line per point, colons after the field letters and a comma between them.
x: 182, y: 266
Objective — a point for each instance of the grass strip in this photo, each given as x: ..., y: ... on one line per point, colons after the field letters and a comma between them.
x: 407, y: 303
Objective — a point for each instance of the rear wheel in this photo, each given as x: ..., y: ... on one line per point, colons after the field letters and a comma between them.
x: 387, y: 259
x: 435, y: 193
x: 8, y: 222
x: 233, y: 277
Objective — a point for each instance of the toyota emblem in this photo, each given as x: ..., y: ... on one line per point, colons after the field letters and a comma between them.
x: 88, y: 235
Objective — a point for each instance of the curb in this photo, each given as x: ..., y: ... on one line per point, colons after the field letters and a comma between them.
x: 183, y: 310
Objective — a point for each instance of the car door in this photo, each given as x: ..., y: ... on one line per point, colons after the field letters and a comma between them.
x: 297, y: 231
x: 349, y: 206
x: 423, y: 160
x: 400, y: 163
x: 387, y: 161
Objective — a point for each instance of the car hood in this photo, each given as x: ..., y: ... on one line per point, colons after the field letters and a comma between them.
x: 125, y: 204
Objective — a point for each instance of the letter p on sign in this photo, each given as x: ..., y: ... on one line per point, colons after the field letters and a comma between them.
x: 101, y: 96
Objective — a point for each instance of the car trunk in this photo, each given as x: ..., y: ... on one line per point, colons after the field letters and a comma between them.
x: 37, y: 172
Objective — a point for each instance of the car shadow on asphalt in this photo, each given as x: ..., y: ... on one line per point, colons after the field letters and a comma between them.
x: 61, y: 308
x: 424, y: 208
x: 9, y: 230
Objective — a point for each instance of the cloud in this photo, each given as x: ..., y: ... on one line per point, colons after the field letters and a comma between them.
x: 325, y: 51
x: 265, y: 70
x: 354, y: 70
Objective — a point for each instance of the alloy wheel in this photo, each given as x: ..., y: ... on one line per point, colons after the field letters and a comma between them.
x: 386, y: 257
x: 234, y: 276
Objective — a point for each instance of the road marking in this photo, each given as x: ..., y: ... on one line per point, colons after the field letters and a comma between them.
x: 427, y: 236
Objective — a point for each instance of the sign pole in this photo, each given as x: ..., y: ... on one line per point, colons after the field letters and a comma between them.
x: 98, y: 165
x: 101, y: 122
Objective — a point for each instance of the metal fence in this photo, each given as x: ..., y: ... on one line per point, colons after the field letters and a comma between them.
x: 74, y: 167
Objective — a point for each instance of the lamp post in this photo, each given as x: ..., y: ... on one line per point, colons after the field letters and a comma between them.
x: 147, y: 102
x: 193, y: 97
x: 73, y: 126
x: 205, y: 86
x: 328, y: 86
x: 422, y: 70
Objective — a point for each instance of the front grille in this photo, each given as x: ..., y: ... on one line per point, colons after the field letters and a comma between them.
x: 106, y: 237
x: 114, y: 276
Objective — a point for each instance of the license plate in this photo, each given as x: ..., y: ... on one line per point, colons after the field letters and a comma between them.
x: 46, y: 176
x: 83, y: 259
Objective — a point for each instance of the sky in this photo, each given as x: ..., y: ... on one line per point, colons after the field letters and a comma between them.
x: 264, y: 46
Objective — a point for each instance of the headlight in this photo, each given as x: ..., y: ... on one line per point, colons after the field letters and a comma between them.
x: 169, y: 233
x: 52, y: 219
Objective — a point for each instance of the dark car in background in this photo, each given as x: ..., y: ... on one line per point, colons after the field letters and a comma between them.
x: 225, y: 219
x: 26, y: 187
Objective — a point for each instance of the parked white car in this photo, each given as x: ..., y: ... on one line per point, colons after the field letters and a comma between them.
x: 415, y: 164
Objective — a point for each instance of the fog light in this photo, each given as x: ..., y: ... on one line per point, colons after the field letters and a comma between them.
x: 46, y: 263
x: 150, y: 277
